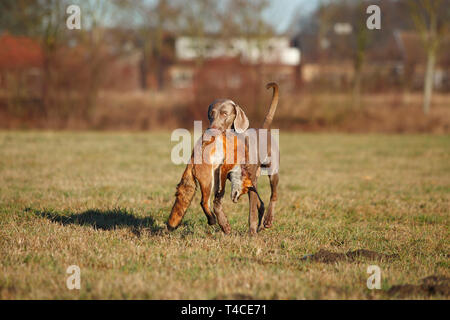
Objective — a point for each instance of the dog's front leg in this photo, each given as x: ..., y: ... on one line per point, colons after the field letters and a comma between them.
x: 218, y: 210
x: 221, y: 217
x: 205, y: 203
x: 253, y: 217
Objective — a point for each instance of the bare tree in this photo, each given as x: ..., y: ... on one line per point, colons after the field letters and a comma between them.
x: 362, y: 40
x: 431, y: 26
x: 96, y: 13
x: 244, y: 19
x: 155, y: 20
x: 200, y: 18
x: 43, y: 20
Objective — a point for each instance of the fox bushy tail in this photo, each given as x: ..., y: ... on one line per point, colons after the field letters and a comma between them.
x: 184, y: 195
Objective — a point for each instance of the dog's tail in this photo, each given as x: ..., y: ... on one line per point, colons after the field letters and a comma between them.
x: 273, y: 105
x: 184, y: 195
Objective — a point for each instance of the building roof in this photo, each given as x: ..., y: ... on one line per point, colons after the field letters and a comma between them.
x: 412, y: 48
x: 17, y: 52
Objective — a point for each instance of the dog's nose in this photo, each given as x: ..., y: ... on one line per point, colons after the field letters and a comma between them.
x: 213, y: 127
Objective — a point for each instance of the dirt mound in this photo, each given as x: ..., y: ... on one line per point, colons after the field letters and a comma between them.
x: 326, y: 256
x: 431, y: 285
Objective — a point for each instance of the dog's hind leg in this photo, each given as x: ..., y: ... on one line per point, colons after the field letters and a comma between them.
x: 268, y: 219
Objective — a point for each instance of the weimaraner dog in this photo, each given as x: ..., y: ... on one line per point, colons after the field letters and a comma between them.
x: 224, y: 115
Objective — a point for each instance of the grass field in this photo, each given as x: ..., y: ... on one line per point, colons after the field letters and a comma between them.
x: 101, y: 200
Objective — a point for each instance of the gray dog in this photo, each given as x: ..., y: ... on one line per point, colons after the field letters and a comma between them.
x: 224, y: 115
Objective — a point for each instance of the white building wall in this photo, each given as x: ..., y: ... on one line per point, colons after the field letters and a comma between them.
x: 273, y: 50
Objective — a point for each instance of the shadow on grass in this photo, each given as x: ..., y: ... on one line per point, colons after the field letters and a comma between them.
x: 103, y: 219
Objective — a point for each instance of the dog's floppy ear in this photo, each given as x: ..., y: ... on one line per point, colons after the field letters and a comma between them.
x: 241, y: 121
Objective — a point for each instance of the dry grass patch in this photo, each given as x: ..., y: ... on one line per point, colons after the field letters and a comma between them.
x: 100, y: 201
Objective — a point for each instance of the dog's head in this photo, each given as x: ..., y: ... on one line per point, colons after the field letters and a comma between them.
x: 225, y: 114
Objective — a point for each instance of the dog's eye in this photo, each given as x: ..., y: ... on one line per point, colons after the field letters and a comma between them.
x: 223, y: 113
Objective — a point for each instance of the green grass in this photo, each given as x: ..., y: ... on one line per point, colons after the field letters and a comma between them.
x: 101, y: 200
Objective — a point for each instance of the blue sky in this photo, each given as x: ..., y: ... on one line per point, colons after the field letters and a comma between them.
x: 281, y: 12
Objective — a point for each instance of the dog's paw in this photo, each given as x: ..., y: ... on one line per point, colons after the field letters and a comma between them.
x: 169, y: 228
x: 212, y: 221
x: 268, y: 220
x: 267, y: 225
x: 226, y: 229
